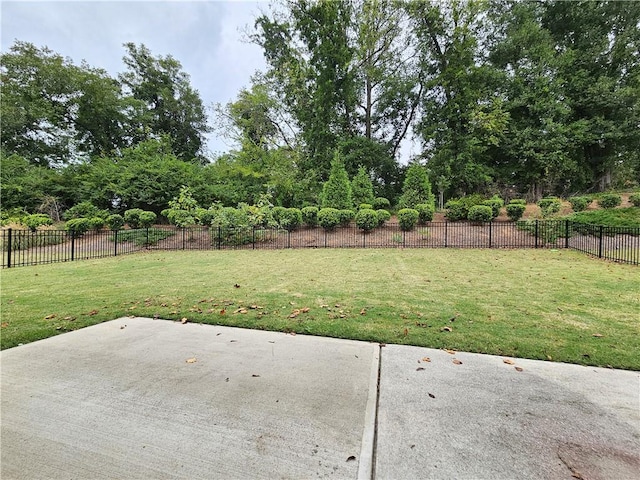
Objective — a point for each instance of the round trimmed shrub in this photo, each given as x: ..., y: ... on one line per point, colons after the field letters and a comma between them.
x: 425, y: 212
x: 381, y: 203
x: 84, y: 210
x: 578, y: 204
x: 35, y: 220
x: 519, y: 201
x: 515, y: 211
x: 549, y: 206
x: 346, y: 216
x: 480, y: 213
x: 367, y: 219
x: 609, y: 200
x: 634, y: 198
x: 328, y: 218
x: 78, y: 226
x: 383, y: 216
x: 115, y: 222
x: 132, y: 217
x: 205, y: 216
x: 365, y: 206
x: 310, y: 216
x: 146, y: 219
x: 496, y: 203
x: 456, y: 210
x: 278, y: 213
x: 408, y: 218
x: 290, y: 218
x: 96, y: 223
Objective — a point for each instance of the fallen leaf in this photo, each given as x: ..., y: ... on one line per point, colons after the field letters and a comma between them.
x: 406, y: 332
x: 508, y: 361
x: 191, y: 360
x: 93, y: 312
x: 184, y: 320
x: 432, y: 395
x: 70, y: 319
x: 518, y: 369
x: 226, y: 379
x: 295, y: 313
x: 4, y: 324
x: 450, y: 352
x: 457, y: 362
x: 49, y: 317
x: 156, y: 316
x: 122, y: 327
x: 223, y: 311
x: 419, y: 369
x: 446, y: 329
x: 351, y: 458
x: 363, y: 312
x: 426, y: 359
x: 305, y: 310
x: 255, y: 376
x: 598, y: 335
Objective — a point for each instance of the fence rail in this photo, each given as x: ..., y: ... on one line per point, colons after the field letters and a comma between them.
x: 23, y: 247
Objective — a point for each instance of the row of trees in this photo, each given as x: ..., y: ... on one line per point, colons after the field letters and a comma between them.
x: 503, y: 97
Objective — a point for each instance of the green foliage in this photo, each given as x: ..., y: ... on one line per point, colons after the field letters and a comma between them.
x: 383, y: 216
x: 547, y: 231
x: 278, y: 212
x: 310, y: 216
x: 609, y: 200
x: 78, y: 226
x: 290, y: 218
x: 456, y: 210
x: 496, y: 203
x: 362, y: 188
x: 204, y: 216
x: 346, y: 216
x: 147, y: 219
x: 96, y: 223
x: 416, y: 188
x: 365, y: 206
x: 132, y: 217
x: 578, y: 204
x: 634, y: 198
x: 36, y: 220
x: 425, y: 212
x: 182, y: 209
x: 407, y: 218
x: 549, y: 206
x: 336, y: 192
x: 515, y: 211
x: 115, y: 222
x: 143, y: 237
x: 618, y: 217
x: 381, y: 203
x: 518, y: 201
x: 84, y: 210
x: 480, y: 213
x: 329, y: 218
x: 367, y: 219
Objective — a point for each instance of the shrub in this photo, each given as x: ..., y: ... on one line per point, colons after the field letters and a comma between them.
x: 383, y: 216
x: 278, y: 213
x: 416, y: 188
x: 578, y: 204
x: 310, y: 216
x: 346, y: 216
x: 480, y: 213
x: 549, y: 206
x: 496, y: 203
x: 425, y: 213
x: 32, y: 222
x: 518, y: 201
x: 336, y: 192
x: 78, y: 226
x: 609, y: 200
x: 182, y: 209
x: 515, y: 211
x: 290, y: 218
x: 115, y: 222
x: 362, y: 187
x: 456, y: 210
x: 365, y: 206
x: 329, y: 218
x: 132, y: 217
x: 147, y: 219
x: 381, y: 203
x: 96, y: 223
x: 634, y: 198
x: 367, y: 219
x: 84, y: 210
x: 205, y: 216
x: 407, y: 218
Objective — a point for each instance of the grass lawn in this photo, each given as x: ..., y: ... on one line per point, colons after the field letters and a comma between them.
x: 542, y: 304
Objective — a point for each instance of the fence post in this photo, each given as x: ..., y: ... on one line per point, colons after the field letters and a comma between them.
x: 253, y: 237
x: 600, y: 241
x: 566, y: 234
x: 490, y: 223
x: 219, y: 237
x: 288, y: 238
x: 536, y: 233
x: 146, y: 244
x: 73, y: 244
x: 183, y: 241
x: 446, y: 231
x: 9, y: 248
x: 115, y: 243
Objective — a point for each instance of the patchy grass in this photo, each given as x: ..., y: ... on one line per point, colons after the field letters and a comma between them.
x: 541, y: 304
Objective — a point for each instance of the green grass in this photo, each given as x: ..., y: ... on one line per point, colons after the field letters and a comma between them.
x: 541, y: 304
x: 614, y: 217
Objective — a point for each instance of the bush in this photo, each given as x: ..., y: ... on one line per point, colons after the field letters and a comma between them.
x: 381, y: 203
x: 408, y: 218
x: 518, y: 201
x: 609, y: 200
x: 290, y: 218
x: 383, y: 216
x: 336, y: 191
x: 515, y: 211
x: 84, y: 210
x: 32, y: 222
x: 480, y: 213
x: 496, y: 203
x: 96, y: 223
x: 132, y: 217
x: 310, y: 216
x: 634, y: 198
x: 346, y: 216
x: 416, y: 187
x: 115, y: 222
x: 425, y: 213
x: 147, y: 219
x: 328, y: 218
x: 205, y: 216
x: 362, y: 187
x: 549, y: 206
x: 365, y: 206
x: 456, y: 210
x: 278, y: 213
x: 578, y: 204
x: 367, y: 219
x: 78, y: 226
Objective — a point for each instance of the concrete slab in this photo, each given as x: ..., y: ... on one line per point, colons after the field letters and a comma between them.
x: 142, y: 398
x: 483, y: 419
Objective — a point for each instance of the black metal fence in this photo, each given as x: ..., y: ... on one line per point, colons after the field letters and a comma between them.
x: 23, y: 247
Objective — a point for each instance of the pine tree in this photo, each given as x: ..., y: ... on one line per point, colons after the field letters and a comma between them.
x: 336, y: 192
x: 362, y: 188
x: 416, y: 188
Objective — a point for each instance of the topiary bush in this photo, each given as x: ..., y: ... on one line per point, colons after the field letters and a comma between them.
x: 578, y: 204
x: 346, y: 216
x: 84, y: 210
x: 480, y: 213
x: 115, y: 222
x: 96, y: 223
x: 549, y: 206
x: 416, y: 187
x: 365, y: 206
x: 518, y: 201
x: 609, y: 200
x: 381, y: 203
x: 408, y: 218
x: 205, y: 216
x: 367, y: 219
x: 329, y: 218
x: 383, y: 216
x: 278, y: 213
x: 456, y: 210
x: 515, y: 211
x: 634, y: 198
x: 362, y: 187
x: 496, y: 203
x: 290, y: 218
x: 132, y: 217
x: 425, y: 213
x: 35, y: 220
x: 78, y: 226
x: 310, y: 216
x: 147, y: 219
x: 336, y: 191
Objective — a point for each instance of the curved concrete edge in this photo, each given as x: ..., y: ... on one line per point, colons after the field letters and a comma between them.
x: 367, y: 452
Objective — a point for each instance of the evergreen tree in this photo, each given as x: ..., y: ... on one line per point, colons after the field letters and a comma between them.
x: 416, y: 188
x: 336, y: 192
x: 362, y: 188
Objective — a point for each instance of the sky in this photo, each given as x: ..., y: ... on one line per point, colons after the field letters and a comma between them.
x: 207, y: 37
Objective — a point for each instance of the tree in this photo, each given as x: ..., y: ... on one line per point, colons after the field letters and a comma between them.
x: 362, y: 188
x: 171, y: 106
x: 336, y: 191
x: 416, y: 188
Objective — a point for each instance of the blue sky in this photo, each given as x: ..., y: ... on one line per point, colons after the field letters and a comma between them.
x: 205, y: 36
